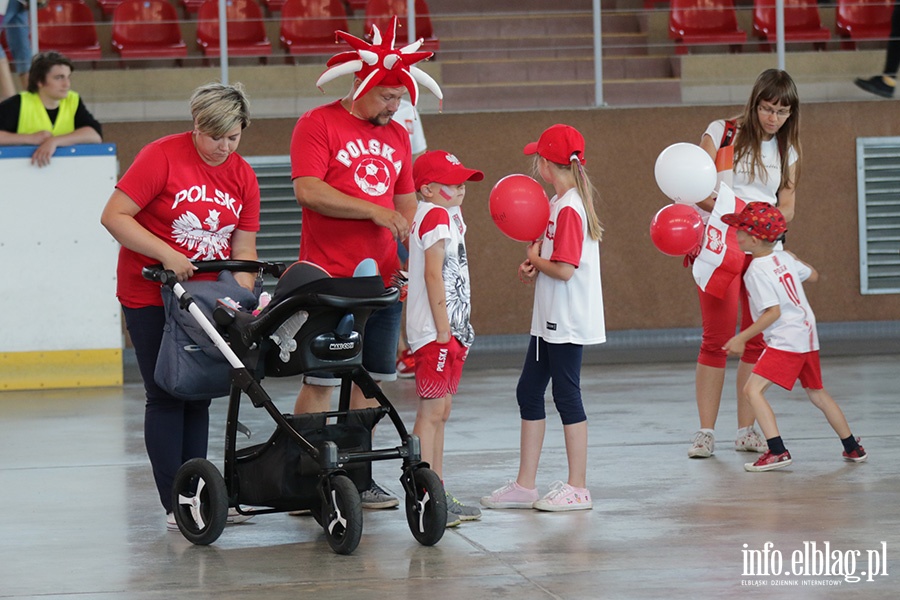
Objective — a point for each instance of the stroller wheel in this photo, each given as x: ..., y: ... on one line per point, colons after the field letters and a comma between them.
x: 200, y: 501
x: 426, y: 511
x: 341, y: 515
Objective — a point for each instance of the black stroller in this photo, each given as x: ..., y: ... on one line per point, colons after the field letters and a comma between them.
x: 322, y: 461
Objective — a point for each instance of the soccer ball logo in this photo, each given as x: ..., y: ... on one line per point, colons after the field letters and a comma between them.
x: 372, y: 177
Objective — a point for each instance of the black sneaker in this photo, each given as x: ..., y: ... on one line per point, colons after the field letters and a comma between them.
x: 876, y: 85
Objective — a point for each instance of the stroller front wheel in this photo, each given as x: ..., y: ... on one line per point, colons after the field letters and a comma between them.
x: 341, y: 515
x: 426, y: 511
x: 200, y: 501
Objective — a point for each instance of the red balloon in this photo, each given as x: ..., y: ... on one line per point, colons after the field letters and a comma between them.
x: 520, y: 208
x: 676, y: 229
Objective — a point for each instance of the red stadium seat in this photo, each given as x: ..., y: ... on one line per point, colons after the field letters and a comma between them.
x: 704, y: 22
x: 147, y: 29
x: 308, y: 26
x: 380, y: 12
x: 857, y: 20
x: 67, y: 26
x: 246, y: 30
x: 801, y: 22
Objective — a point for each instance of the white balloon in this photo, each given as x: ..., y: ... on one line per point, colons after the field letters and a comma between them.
x: 685, y: 173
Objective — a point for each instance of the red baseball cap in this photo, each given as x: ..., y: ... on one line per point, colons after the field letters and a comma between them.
x: 558, y: 144
x: 760, y: 219
x: 437, y: 166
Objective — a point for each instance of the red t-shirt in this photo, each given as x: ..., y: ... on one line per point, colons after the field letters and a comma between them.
x: 191, y: 205
x: 366, y: 161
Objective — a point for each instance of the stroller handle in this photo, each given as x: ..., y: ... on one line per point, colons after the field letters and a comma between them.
x: 167, y: 277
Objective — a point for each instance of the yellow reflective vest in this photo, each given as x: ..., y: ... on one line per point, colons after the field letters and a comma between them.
x: 33, y: 116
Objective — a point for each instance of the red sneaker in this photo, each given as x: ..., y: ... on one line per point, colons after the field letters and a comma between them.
x: 858, y: 455
x: 406, y: 365
x: 769, y: 461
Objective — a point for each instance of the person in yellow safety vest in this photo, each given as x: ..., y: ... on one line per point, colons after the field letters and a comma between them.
x: 49, y: 114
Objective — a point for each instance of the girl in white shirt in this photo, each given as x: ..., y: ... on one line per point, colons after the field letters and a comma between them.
x: 568, y: 314
x: 765, y: 143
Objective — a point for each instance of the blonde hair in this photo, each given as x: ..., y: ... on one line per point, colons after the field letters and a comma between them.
x: 217, y: 108
x: 586, y: 190
x: 776, y: 87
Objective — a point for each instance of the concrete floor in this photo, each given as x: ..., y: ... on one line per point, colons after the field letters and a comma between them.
x: 81, y: 519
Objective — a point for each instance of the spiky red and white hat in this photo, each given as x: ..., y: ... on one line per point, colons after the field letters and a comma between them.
x: 380, y: 64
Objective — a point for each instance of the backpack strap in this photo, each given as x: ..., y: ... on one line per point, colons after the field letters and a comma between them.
x: 728, y: 134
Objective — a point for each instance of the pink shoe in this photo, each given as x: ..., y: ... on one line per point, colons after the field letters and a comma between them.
x: 563, y: 496
x: 511, y: 495
x: 769, y: 461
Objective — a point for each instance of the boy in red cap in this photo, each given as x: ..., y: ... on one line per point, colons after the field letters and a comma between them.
x: 783, y: 315
x: 438, y: 306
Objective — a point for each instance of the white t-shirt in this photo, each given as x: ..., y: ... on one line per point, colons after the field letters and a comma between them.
x: 776, y: 279
x: 569, y: 312
x: 408, y: 116
x: 438, y: 225
x: 764, y: 187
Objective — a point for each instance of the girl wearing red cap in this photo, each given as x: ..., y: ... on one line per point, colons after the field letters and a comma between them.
x: 568, y: 314
x: 758, y: 156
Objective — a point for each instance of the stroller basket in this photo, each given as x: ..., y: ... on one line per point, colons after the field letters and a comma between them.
x: 280, y: 474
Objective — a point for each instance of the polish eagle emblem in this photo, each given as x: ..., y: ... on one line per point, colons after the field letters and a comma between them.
x: 207, y: 239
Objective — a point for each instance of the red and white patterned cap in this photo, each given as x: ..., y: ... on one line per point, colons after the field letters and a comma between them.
x: 380, y: 64
x: 760, y: 219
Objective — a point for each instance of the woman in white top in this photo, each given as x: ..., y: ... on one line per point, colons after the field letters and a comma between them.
x: 765, y: 143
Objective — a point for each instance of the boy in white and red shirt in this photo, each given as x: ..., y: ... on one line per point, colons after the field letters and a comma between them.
x: 438, y: 305
x: 782, y: 314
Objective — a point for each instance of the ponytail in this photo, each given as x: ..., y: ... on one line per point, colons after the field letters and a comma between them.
x: 585, y: 189
x: 588, y: 194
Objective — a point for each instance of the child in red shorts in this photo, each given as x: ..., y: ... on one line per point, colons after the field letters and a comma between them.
x: 782, y: 314
x: 438, y: 305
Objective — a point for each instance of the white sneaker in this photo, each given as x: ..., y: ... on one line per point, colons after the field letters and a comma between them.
x: 704, y: 445
x: 751, y: 441
x: 171, y: 525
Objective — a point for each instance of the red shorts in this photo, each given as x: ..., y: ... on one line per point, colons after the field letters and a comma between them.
x: 784, y: 368
x: 439, y: 368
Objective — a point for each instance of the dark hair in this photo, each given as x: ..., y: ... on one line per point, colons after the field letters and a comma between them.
x: 777, y: 87
x: 41, y: 65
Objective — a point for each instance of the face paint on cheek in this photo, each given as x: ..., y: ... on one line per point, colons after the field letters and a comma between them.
x: 446, y: 193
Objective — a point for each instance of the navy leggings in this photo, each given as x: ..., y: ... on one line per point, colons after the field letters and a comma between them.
x: 560, y: 363
x: 174, y: 430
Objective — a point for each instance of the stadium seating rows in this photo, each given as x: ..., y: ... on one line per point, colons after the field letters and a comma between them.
x: 150, y: 28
